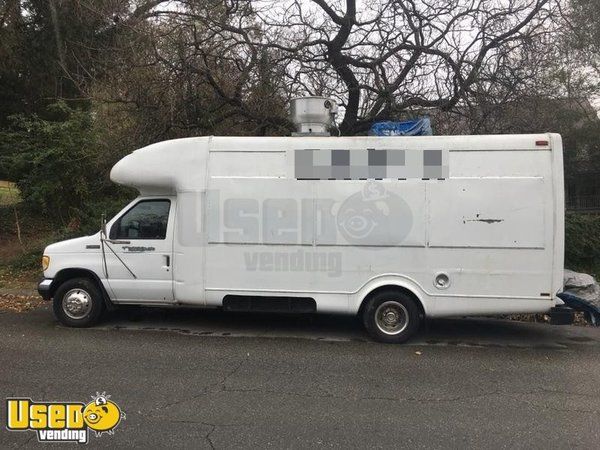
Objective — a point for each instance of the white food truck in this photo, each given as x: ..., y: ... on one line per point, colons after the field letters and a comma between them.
x: 392, y: 229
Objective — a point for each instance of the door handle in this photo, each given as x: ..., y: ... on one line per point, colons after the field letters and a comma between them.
x: 167, y: 265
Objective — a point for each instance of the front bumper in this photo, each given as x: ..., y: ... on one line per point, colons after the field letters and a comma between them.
x: 44, y: 288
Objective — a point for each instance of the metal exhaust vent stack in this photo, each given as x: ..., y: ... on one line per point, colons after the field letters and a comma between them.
x: 313, y: 116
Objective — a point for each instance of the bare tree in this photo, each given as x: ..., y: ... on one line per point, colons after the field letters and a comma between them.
x: 395, y: 55
x: 379, y: 58
x: 582, y: 27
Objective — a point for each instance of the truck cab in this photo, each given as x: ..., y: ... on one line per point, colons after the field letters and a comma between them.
x: 137, y: 252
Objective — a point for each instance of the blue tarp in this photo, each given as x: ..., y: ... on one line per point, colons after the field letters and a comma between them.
x: 419, y: 127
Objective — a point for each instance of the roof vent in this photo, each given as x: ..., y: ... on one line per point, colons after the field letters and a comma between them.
x: 313, y: 116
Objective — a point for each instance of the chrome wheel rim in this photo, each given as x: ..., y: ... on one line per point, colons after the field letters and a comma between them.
x: 76, y: 303
x: 391, y: 317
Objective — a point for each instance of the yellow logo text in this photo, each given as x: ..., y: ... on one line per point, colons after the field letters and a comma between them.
x: 63, y: 421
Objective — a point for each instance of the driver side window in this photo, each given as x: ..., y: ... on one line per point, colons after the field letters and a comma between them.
x: 147, y: 219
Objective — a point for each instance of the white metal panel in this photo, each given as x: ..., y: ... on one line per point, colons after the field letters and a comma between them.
x: 499, y: 163
x: 487, y: 212
x: 373, y: 213
x: 165, y: 168
x: 557, y: 213
x: 260, y: 211
x: 189, y: 256
x: 247, y: 164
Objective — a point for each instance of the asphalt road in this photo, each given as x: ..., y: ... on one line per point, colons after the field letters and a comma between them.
x: 208, y: 379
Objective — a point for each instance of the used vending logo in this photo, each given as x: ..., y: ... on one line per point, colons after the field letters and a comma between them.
x: 64, y: 421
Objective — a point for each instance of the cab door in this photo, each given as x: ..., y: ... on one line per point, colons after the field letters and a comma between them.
x: 139, y: 252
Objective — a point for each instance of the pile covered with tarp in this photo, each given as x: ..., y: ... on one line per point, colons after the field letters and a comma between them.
x: 419, y: 127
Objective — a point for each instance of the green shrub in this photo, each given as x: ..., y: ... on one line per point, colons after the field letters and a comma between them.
x: 52, y: 160
x: 582, y: 241
x: 61, y: 165
x: 108, y: 206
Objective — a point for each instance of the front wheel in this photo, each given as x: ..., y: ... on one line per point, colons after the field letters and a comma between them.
x: 391, y: 317
x: 78, y: 303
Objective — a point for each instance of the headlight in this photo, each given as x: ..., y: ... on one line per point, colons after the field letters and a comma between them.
x: 45, y: 262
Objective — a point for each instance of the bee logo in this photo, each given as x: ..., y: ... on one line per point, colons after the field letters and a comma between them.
x: 102, y: 415
x: 374, y: 216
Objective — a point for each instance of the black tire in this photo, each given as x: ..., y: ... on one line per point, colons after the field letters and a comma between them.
x: 391, y: 316
x: 87, y: 304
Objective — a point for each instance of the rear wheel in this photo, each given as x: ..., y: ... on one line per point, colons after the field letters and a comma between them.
x: 78, y: 303
x: 391, y: 316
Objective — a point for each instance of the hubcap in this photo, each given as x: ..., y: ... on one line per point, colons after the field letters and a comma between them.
x: 76, y: 303
x: 391, y: 317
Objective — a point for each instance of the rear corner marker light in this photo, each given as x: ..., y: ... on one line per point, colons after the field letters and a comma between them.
x: 541, y: 143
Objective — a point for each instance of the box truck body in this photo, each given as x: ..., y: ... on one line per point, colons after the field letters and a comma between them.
x: 463, y: 225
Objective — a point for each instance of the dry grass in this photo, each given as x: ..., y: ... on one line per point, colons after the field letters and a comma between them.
x: 9, y: 194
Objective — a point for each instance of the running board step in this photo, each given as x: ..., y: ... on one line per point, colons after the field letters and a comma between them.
x: 247, y: 303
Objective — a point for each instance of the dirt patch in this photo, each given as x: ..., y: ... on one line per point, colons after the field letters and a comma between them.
x: 20, y: 303
x: 12, y: 279
x: 10, y: 248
